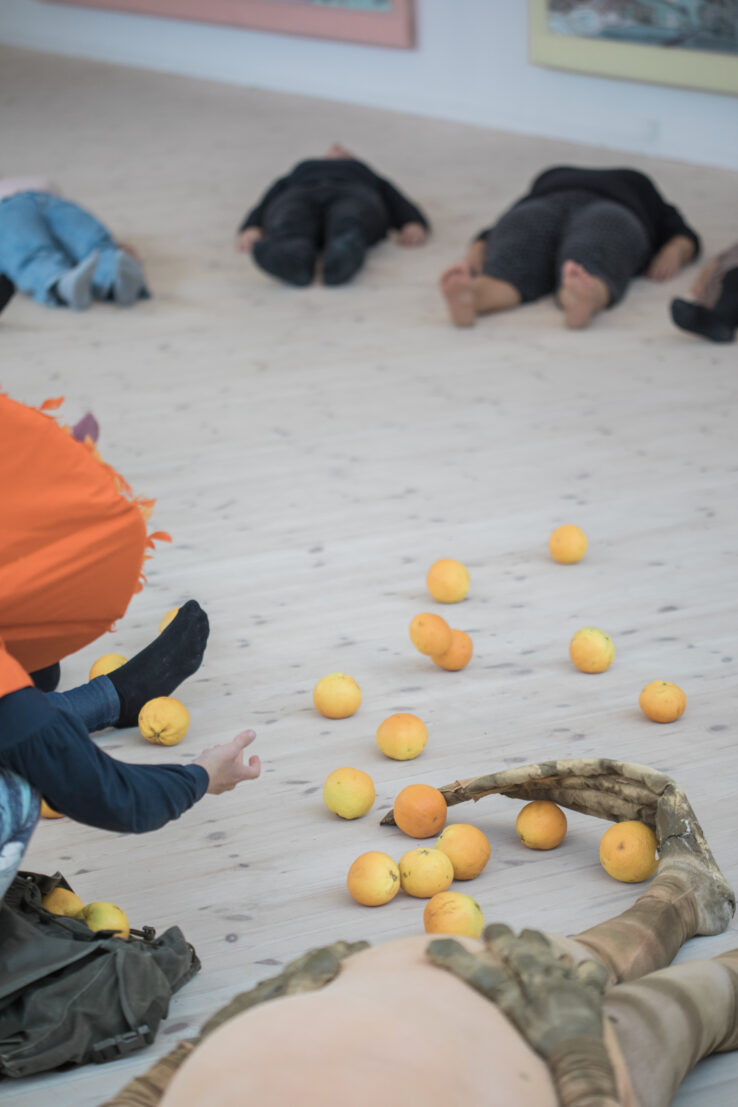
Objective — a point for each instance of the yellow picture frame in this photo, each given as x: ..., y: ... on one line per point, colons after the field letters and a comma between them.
x: 709, y: 71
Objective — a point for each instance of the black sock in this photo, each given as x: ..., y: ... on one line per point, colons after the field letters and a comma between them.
x: 7, y: 288
x: 160, y: 668
x: 289, y: 259
x: 343, y: 256
x: 727, y: 305
x: 47, y: 680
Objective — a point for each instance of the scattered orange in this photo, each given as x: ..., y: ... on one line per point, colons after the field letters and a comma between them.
x: 541, y: 825
x: 163, y: 721
x: 61, y: 901
x: 628, y: 852
x: 420, y: 810
x: 430, y: 634
x: 453, y: 913
x: 373, y: 879
x: 448, y: 580
x: 467, y: 849
x: 662, y: 701
x: 106, y: 916
x: 106, y: 664
x: 567, y: 544
x: 458, y: 655
x: 166, y: 619
x: 337, y: 696
x: 592, y: 650
x: 348, y: 792
x: 424, y: 872
x: 402, y: 736
x: 49, y: 812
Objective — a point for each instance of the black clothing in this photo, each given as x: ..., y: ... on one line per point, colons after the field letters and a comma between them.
x: 7, y: 288
x: 349, y: 177
x: 52, y: 750
x: 628, y: 187
x: 532, y: 241
x: 718, y: 323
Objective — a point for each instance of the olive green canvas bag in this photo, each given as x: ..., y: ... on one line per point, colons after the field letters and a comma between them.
x: 69, y: 996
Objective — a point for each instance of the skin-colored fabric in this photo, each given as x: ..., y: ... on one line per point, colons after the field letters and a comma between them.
x: 72, y: 544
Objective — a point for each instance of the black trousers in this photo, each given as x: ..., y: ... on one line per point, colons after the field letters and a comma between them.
x: 321, y: 212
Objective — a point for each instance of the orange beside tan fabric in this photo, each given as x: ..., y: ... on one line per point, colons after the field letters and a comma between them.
x: 72, y: 545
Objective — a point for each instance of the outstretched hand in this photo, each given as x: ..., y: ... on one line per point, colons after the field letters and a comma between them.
x: 246, y: 239
x: 224, y: 764
x: 670, y: 258
x: 412, y: 234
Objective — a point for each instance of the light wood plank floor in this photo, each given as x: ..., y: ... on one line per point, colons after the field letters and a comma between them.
x: 312, y: 452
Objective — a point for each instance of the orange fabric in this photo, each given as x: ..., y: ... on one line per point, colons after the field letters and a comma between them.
x: 12, y: 675
x: 72, y: 545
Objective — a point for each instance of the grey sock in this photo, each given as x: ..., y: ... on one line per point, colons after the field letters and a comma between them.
x: 129, y: 281
x: 75, y: 288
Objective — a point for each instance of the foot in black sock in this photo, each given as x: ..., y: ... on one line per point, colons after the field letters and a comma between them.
x: 289, y: 259
x: 160, y: 668
x: 47, y: 680
x: 343, y: 256
x: 701, y: 320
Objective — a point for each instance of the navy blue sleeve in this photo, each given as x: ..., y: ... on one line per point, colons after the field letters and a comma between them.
x: 52, y: 751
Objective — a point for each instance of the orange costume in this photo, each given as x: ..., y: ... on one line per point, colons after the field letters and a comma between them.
x: 72, y: 542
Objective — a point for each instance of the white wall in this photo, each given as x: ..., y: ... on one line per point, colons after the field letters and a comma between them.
x: 470, y: 66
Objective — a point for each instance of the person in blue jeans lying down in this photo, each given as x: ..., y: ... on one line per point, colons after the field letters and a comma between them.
x: 60, y: 254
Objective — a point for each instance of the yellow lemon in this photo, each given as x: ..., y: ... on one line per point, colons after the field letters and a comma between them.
x: 106, y: 664
x: 105, y: 916
x: 337, y: 696
x: 591, y: 650
x: 453, y: 913
x: 402, y: 737
x: 567, y: 544
x: 373, y: 879
x: 662, y: 702
x: 628, y: 851
x: 63, y: 902
x: 423, y: 872
x: 348, y: 792
x: 164, y: 721
x: 166, y: 619
x: 448, y: 580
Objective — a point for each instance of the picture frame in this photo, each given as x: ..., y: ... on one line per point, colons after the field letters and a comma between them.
x: 370, y: 22
x: 604, y: 55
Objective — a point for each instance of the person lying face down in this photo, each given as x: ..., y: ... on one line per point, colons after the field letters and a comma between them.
x: 713, y: 313
x: 60, y: 254
x: 334, y: 207
x: 582, y: 234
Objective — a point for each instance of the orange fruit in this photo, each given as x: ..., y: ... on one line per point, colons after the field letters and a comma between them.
x: 448, y: 580
x: 402, y: 736
x: 166, y: 619
x: 163, y: 721
x: 373, y: 879
x: 106, y: 664
x: 467, y: 849
x: 567, y: 544
x: 348, y: 792
x: 662, y: 701
x: 337, y: 696
x: 628, y: 851
x: 591, y: 650
x: 61, y: 901
x: 458, y: 654
x: 49, y: 812
x: 430, y: 634
x: 453, y: 913
x: 423, y: 872
x: 541, y: 825
x: 420, y: 810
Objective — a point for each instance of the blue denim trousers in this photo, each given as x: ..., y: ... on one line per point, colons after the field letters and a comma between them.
x: 43, y: 236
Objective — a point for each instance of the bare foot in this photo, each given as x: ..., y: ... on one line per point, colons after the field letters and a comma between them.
x: 581, y: 295
x: 456, y: 286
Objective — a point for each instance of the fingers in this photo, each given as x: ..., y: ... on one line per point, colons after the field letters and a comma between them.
x: 244, y: 739
x: 252, y: 770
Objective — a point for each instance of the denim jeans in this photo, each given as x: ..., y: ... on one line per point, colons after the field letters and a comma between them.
x: 43, y: 236
x: 19, y: 811
x: 96, y: 703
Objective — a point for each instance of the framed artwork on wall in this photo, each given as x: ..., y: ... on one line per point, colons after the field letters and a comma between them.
x: 372, y: 22
x: 688, y: 43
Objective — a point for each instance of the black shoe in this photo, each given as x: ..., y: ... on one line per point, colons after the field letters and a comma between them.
x: 47, y: 680
x: 7, y: 288
x: 701, y: 320
x: 342, y: 257
x: 290, y: 260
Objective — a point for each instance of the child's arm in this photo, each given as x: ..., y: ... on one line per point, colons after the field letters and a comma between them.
x: 255, y: 217
x: 402, y: 211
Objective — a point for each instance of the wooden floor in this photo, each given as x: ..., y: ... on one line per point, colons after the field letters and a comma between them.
x: 312, y: 452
